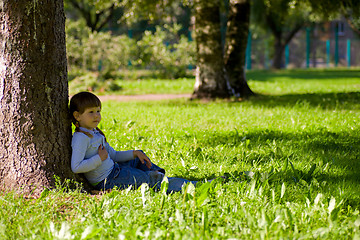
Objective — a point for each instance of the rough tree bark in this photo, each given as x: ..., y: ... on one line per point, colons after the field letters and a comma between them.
x: 210, y: 72
x: 235, y: 49
x: 35, y: 131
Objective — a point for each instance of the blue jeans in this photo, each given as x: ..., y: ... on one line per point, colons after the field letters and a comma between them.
x: 134, y: 173
x: 175, y: 184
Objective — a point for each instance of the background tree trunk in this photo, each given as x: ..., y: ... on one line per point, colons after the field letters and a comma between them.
x: 210, y: 75
x: 236, y: 41
x: 35, y: 128
x: 281, y: 42
x: 278, y: 53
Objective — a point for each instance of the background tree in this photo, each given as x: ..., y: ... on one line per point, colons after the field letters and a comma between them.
x: 210, y: 79
x: 283, y: 18
x: 97, y: 14
x: 232, y: 81
x: 35, y: 130
x: 235, y: 46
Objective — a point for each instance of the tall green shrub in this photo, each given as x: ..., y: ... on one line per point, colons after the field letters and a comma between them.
x: 97, y: 51
x: 103, y: 54
x: 166, y: 51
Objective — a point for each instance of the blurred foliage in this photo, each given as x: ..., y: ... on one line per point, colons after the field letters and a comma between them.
x: 97, y: 51
x: 95, y: 59
x: 97, y: 14
x: 96, y: 4
x: 90, y: 81
x: 166, y: 51
x: 279, y: 15
x: 333, y: 9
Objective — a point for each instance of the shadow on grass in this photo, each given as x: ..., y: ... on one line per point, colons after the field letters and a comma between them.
x: 303, y: 159
x: 328, y: 146
x: 336, y: 151
x: 329, y: 101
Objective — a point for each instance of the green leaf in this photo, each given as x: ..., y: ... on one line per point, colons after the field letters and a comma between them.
x: 204, y: 193
x: 296, y: 175
x: 164, y: 185
x: 204, y: 219
x: 311, y: 171
x: 44, y: 194
x: 332, y: 204
x: 282, y: 190
x: 90, y: 232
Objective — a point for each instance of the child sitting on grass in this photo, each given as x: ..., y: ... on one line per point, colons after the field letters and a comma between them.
x: 102, y: 166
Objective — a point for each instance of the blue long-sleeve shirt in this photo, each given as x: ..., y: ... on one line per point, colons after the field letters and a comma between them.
x: 85, y: 158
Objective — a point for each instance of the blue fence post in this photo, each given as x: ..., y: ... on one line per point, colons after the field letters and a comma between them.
x: 248, y: 52
x: 100, y: 64
x: 286, y: 55
x: 307, y: 47
x: 189, y: 36
x: 327, y: 53
x: 336, y: 44
x: 349, y: 52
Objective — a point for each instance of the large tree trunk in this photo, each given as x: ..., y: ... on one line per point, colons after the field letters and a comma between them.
x: 210, y: 73
x: 35, y: 128
x: 236, y: 41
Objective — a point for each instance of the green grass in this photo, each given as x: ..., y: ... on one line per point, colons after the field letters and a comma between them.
x: 291, y: 154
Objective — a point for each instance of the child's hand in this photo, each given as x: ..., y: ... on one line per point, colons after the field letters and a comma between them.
x: 143, y: 158
x: 102, y: 153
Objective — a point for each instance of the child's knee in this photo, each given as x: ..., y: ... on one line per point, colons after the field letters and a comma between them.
x: 155, y: 177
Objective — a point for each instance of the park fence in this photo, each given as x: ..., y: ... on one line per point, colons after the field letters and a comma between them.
x: 303, y: 52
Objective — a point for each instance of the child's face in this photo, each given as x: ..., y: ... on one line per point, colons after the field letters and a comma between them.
x: 90, y: 118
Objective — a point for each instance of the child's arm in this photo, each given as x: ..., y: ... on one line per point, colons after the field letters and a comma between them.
x: 123, y: 156
x: 79, y: 146
x: 119, y: 156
